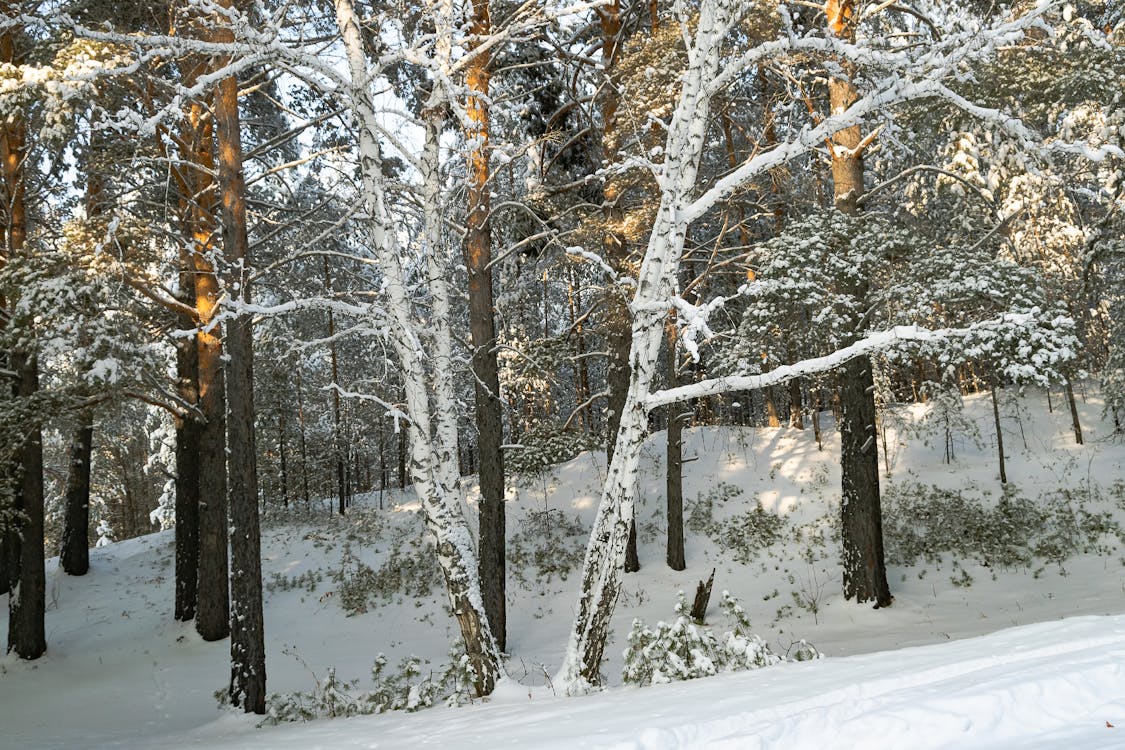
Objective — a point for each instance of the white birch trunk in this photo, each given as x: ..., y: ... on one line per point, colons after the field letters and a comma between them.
x: 605, y: 553
x: 432, y: 430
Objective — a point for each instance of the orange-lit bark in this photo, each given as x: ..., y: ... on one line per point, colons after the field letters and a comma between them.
x: 482, y: 326
x: 212, y: 619
x: 22, y: 545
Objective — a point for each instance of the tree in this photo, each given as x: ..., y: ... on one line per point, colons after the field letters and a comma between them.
x: 429, y: 391
x: 896, y: 76
x: 865, y: 569
x: 248, y: 650
x: 27, y: 599
x: 482, y: 326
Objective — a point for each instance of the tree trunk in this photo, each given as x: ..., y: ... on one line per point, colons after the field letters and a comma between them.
x: 12, y: 235
x: 771, y: 408
x: 212, y: 619
x: 27, y: 600
x: 1073, y: 413
x: 796, y: 407
x: 27, y: 604
x: 865, y: 574
x: 188, y: 431
x: 75, y: 554
x: 605, y: 552
x: 283, y: 467
x: 674, y: 482
x: 617, y: 318
x: 302, y: 444
x: 427, y: 376
x: 338, y: 447
x: 482, y: 327
x: 999, y: 436
x: 247, y: 643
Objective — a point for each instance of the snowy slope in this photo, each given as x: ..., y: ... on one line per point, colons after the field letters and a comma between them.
x: 1052, y: 685
x: 119, y: 670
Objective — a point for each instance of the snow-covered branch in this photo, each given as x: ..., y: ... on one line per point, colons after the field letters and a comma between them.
x: 869, y: 344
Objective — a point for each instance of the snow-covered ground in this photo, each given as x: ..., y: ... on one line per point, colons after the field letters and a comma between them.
x: 120, y: 672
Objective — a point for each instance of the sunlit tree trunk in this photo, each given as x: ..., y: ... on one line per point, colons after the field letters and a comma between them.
x: 427, y: 377
x: 865, y: 573
x: 482, y: 326
x: 212, y: 619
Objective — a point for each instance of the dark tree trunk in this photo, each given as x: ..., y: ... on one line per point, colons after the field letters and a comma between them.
x: 1073, y: 413
x: 816, y: 421
x: 75, y: 554
x: 702, y: 598
x: 865, y: 574
x: 212, y: 618
x: 247, y: 643
x: 999, y: 437
x: 796, y: 407
x: 27, y: 604
x: 27, y: 601
x: 283, y: 467
x: 402, y: 475
x: 212, y: 615
x: 301, y: 443
x: 187, y: 498
x: 674, y: 482
x: 482, y: 327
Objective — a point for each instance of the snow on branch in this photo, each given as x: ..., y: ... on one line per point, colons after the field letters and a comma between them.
x: 874, y: 342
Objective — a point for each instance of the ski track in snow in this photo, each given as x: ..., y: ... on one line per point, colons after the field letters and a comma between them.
x: 1052, y: 685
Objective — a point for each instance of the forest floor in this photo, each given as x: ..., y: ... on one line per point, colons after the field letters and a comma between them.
x: 1027, y: 570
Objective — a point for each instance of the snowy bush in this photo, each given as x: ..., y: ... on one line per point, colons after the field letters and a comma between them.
x: 407, y: 689
x: 684, y: 650
x: 409, y: 570
x: 743, y: 535
x: 545, y: 445
x: 548, y: 543
x: 925, y: 523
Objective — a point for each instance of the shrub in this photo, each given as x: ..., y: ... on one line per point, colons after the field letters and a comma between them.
x: 548, y: 543
x: 922, y: 522
x: 407, y: 689
x: 684, y: 650
x: 743, y: 535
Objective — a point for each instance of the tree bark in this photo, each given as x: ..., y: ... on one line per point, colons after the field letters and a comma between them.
x: 212, y: 616
x: 674, y: 481
x: 302, y: 444
x: 1073, y: 413
x: 247, y: 643
x: 617, y: 318
x: 482, y: 328
x: 75, y: 554
x: 999, y: 437
x: 27, y: 604
x: 796, y: 407
x: 27, y: 601
x: 865, y: 574
x: 188, y: 431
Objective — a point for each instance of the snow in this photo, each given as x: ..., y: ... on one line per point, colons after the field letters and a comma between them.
x: 1049, y: 671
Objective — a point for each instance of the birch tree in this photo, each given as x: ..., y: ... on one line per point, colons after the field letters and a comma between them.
x: 895, y: 74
